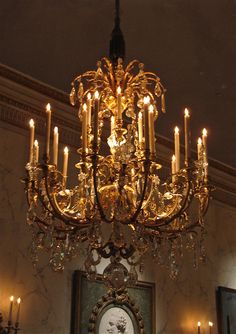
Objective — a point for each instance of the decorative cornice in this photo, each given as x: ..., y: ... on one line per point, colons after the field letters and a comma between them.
x: 27, y: 81
x: 18, y: 114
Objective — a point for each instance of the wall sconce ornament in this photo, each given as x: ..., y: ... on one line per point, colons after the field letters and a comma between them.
x: 11, y: 328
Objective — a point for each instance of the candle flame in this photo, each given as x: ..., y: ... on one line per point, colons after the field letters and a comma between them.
x: 176, y: 129
x: 199, y: 323
x: 18, y: 300
x: 146, y: 99
x: 89, y: 96
x: 186, y: 112
x: 36, y: 143
x: 66, y: 150
x: 151, y: 108
x: 204, y: 132
x: 199, y: 141
x: 48, y: 107
x: 31, y: 123
x: 56, y: 130
x: 173, y: 158
x: 118, y: 90
x: 96, y: 95
x: 11, y: 298
x: 85, y: 107
x: 210, y: 323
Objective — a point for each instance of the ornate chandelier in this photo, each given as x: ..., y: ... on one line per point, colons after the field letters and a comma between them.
x: 120, y: 208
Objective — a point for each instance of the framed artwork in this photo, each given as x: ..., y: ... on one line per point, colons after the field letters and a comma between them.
x: 97, y: 310
x: 226, y: 310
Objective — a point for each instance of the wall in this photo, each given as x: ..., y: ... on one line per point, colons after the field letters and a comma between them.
x: 47, y: 295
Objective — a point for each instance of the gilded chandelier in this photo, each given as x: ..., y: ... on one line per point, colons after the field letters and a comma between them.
x: 120, y: 208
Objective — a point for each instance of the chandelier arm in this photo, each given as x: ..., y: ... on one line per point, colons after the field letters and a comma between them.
x: 94, y: 162
x: 56, y: 211
x: 190, y: 226
x: 164, y: 221
x: 146, y: 168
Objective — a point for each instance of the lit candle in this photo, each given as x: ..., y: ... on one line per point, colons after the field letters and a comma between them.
x: 65, y: 162
x: 173, y: 167
x: 151, y: 129
x: 84, y: 128
x: 48, y: 112
x: 95, y: 125
x: 112, y: 123
x: 36, y: 151
x: 204, y: 144
x: 186, y: 135
x: 18, y: 311
x: 146, y: 101
x: 198, y: 327
x: 10, y: 309
x: 31, y: 124
x: 55, y: 145
x: 89, y: 108
x: 204, y: 141
x: 210, y: 326
x: 177, y: 149
x: 199, y: 148
x: 119, y: 106
x: 140, y: 129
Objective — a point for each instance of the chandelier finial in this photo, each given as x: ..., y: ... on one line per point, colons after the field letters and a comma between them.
x: 117, y: 42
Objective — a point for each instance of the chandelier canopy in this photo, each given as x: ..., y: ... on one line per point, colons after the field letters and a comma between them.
x: 120, y: 207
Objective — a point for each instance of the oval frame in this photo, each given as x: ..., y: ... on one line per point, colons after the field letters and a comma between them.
x: 113, y: 300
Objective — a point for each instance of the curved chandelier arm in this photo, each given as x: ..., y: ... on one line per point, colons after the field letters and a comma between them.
x: 146, y: 169
x: 187, y: 200
x: 57, y: 212
x: 94, y: 163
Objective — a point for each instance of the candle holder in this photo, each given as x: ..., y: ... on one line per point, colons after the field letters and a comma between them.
x: 10, y: 328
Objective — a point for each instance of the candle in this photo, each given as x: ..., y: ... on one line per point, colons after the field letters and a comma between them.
x: 48, y: 112
x: 95, y: 125
x: 65, y: 162
x: 199, y: 148
x: 140, y: 129
x: 151, y: 129
x: 18, y: 311
x: 31, y: 124
x: 89, y: 108
x: 177, y: 148
x: 146, y: 102
x: 55, y: 145
x: 210, y: 326
x: 119, y: 106
x: 173, y: 168
x: 36, y: 151
x: 84, y: 128
x: 198, y: 327
x: 112, y: 123
x: 204, y: 137
x: 204, y: 144
x: 10, y: 309
x: 186, y: 135
x: 204, y: 141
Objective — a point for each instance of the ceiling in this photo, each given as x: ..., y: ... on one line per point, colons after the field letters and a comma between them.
x: 190, y: 44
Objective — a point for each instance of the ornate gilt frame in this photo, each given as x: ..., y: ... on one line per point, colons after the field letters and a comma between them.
x: 87, y: 311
